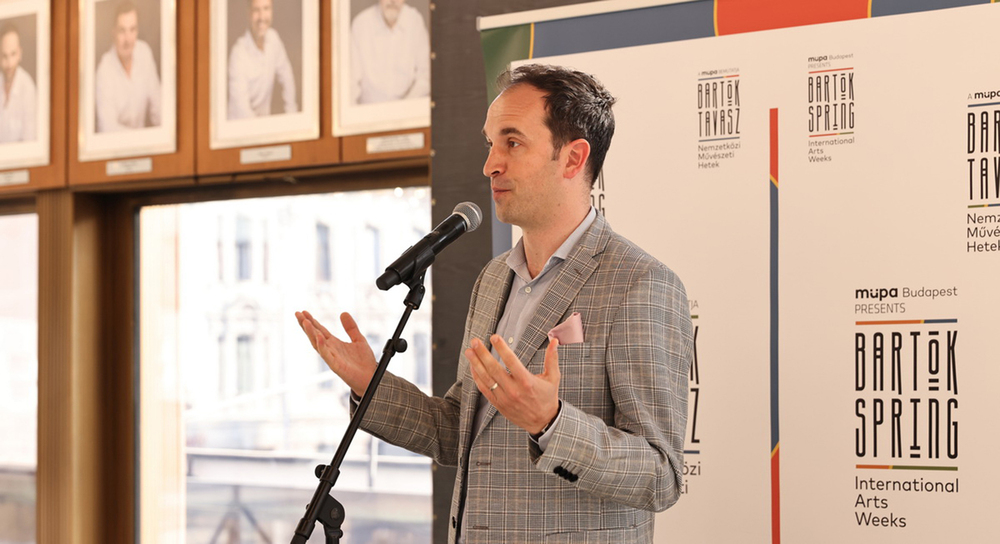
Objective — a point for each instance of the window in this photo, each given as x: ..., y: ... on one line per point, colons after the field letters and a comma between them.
x: 18, y: 376
x: 233, y: 404
x: 221, y: 256
x: 422, y: 349
x: 266, y: 264
x: 244, y: 364
x: 244, y: 264
x: 372, y: 245
x: 323, y: 272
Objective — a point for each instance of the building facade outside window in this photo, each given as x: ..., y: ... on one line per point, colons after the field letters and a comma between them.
x: 235, y: 406
x: 18, y: 377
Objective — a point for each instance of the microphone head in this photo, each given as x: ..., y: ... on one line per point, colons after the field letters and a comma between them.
x: 471, y: 213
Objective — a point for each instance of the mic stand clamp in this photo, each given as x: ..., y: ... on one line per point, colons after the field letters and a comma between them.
x: 323, y: 508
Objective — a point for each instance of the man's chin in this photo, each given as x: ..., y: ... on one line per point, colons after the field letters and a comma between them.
x: 504, y: 216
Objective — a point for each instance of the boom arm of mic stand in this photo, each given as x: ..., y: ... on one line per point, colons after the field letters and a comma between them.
x: 323, y: 507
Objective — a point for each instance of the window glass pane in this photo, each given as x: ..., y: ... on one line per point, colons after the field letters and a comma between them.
x: 18, y: 376
x: 236, y: 409
x: 323, y: 271
x: 243, y: 244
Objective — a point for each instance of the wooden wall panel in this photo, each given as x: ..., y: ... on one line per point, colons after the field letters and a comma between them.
x: 387, y: 145
x: 71, y: 498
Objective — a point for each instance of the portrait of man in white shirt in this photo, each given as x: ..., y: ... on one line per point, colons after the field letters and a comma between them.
x: 390, y: 53
x: 257, y: 61
x: 127, y: 82
x: 18, y: 97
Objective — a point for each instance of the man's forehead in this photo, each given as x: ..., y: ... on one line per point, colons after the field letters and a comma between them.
x: 516, y: 110
x: 127, y: 17
x: 10, y: 40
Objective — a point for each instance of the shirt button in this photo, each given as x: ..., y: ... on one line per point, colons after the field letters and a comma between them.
x: 510, y: 341
x: 527, y: 289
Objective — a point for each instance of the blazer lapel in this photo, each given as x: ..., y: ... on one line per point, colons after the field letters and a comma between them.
x: 570, y: 278
x: 491, y: 299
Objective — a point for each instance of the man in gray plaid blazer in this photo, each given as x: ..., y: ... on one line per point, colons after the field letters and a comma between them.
x: 568, y: 415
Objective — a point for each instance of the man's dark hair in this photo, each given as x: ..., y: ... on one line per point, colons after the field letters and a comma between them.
x: 576, y: 106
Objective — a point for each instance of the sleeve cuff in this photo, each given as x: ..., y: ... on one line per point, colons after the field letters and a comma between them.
x: 543, y: 439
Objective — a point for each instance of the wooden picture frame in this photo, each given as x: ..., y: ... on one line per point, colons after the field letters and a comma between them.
x: 381, y: 73
x: 103, y: 151
x: 40, y: 161
x: 394, y: 144
x: 265, y: 145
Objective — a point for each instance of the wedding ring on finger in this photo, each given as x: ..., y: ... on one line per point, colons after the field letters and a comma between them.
x: 494, y: 386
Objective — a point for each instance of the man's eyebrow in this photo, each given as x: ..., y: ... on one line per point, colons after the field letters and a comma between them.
x: 506, y: 131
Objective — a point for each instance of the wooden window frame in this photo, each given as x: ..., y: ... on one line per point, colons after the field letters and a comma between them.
x: 88, y: 337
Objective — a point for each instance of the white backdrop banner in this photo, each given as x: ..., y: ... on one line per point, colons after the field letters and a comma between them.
x: 829, y: 196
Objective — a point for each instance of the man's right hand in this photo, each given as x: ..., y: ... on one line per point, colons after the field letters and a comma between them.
x: 353, y: 361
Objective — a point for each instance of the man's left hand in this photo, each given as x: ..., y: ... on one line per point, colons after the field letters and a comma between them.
x: 527, y: 400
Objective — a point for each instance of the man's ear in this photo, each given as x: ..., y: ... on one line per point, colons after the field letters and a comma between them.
x: 574, y: 157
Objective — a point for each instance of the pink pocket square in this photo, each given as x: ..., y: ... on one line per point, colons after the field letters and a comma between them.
x: 569, y: 331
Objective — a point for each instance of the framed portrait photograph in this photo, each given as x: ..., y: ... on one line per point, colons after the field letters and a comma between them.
x: 25, y: 100
x: 265, y: 72
x: 128, y: 78
x: 381, y: 65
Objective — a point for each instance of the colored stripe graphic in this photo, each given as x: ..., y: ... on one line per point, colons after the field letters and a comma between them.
x: 737, y: 16
x: 830, y: 134
x: 604, y: 27
x: 531, y: 43
x: 501, y: 46
x: 907, y: 322
x: 624, y: 28
x: 715, y: 16
x: 882, y: 8
x: 984, y: 205
x: 775, y: 438
x: 719, y: 139
x: 904, y: 467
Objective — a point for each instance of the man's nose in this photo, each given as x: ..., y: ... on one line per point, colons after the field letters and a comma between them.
x: 493, y: 165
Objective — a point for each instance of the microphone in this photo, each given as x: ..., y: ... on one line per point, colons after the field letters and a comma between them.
x: 414, y: 261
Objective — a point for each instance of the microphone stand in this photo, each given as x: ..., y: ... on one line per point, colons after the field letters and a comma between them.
x: 323, y: 507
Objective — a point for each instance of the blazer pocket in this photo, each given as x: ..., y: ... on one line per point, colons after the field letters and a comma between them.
x: 583, y: 382
x: 571, y: 353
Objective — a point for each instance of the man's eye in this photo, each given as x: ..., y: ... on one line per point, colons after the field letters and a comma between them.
x: 513, y: 144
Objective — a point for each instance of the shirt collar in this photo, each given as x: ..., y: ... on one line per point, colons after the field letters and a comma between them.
x: 518, y: 262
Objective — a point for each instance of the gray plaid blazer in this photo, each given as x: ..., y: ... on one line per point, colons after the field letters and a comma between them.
x: 616, y: 456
